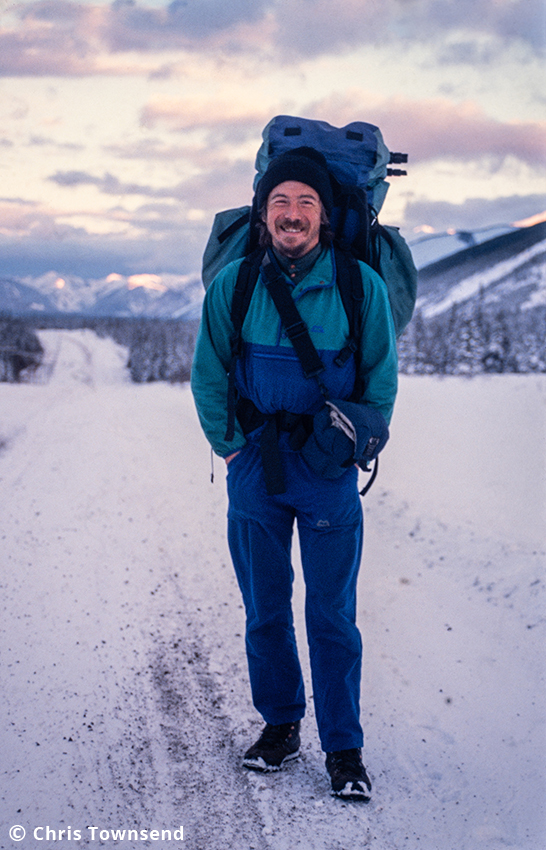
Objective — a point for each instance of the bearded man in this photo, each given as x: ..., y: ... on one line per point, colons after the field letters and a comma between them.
x: 295, y: 198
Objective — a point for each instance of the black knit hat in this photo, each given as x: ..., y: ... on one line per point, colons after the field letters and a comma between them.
x: 306, y: 165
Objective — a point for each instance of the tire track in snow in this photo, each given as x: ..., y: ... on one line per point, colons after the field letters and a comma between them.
x: 199, y: 760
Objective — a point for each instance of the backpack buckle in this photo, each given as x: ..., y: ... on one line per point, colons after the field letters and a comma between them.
x: 345, y: 353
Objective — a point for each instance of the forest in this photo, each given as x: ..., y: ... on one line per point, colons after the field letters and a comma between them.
x: 469, y: 339
x: 158, y: 349
x: 472, y: 339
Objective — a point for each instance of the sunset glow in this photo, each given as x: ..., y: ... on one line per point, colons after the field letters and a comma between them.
x: 148, y: 281
x: 126, y: 126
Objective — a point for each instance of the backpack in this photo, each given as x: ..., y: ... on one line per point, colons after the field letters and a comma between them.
x: 357, y: 159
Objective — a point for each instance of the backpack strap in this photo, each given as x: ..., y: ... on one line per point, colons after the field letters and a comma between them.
x: 234, y: 227
x: 312, y: 366
x: 349, y: 282
x: 295, y: 327
x: 351, y: 290
x: 244, y: 287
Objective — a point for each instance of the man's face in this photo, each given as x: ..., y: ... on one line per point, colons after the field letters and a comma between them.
x: 293, y: 218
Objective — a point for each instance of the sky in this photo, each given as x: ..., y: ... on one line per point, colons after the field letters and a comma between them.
x: 125, y: 126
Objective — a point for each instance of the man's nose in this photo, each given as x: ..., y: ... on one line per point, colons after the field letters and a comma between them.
x: 293, y: 209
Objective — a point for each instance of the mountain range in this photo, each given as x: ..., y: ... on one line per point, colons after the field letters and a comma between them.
x: 507, y: 272
x: 145, y: 295
x: 503, y: 265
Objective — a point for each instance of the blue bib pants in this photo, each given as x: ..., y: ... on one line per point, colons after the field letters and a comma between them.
x: 330, y: 527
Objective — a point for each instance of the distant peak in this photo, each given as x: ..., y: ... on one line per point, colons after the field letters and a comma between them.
x: 531, y: 221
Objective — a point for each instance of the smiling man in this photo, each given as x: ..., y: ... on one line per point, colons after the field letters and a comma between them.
x: 277, y: 403
x: 293, y: 218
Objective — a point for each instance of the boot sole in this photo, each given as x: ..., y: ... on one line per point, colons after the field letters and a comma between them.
x: 350, y: 793
x: 262, y: 766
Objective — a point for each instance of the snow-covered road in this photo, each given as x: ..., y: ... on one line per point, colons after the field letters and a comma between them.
x: 125, y: 699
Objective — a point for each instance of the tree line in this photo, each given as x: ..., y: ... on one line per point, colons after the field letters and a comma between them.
x: 158, y: 349
x: 469, y: 339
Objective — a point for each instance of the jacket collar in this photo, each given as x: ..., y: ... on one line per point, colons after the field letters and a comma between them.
x: 297, y: 268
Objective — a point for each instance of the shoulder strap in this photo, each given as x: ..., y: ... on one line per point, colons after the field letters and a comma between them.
x: 349, y: 282
x: 295, y: 327
x: 234, y: 226
x: 247, y: 278
x: 245, y: 285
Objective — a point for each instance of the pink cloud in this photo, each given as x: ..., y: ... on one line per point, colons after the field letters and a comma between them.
x: 53, y: 38
x: 438, y: 128
x: 182, y: 114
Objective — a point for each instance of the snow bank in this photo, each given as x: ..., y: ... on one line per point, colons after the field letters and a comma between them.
x: 473, y: 452
x: 125, y: 696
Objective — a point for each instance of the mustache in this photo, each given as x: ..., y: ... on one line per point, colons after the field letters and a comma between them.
x: 291, y: 222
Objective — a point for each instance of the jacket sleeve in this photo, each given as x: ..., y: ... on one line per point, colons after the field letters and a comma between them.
x: 211, y: 362
x: 379, y: 359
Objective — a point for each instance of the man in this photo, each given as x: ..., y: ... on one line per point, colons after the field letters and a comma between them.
x: 294, y: 198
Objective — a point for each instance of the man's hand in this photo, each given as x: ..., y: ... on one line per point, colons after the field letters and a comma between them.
x: 229, y: 458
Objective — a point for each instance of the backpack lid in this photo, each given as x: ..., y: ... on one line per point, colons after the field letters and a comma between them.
x: 356, y: 154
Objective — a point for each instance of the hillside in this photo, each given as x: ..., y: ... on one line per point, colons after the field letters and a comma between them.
x: 509, y: 270
x: 482, y: 309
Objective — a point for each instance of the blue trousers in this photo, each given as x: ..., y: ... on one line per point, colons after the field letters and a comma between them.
x: 330, y: 527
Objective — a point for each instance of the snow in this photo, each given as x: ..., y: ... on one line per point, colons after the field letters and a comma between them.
x: 125, y: 696
x: 432, y: 247
x: 470, y: 286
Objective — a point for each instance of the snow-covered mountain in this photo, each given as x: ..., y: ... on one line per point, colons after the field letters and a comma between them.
x: 503, y: 264
x: 431, y: 247
x: 146, y: 295
x: 17, y: 298
x: 507, y: 272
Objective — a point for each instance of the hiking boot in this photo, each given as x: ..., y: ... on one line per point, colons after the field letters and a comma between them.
x: 349, y: 778
x: 275, y: 745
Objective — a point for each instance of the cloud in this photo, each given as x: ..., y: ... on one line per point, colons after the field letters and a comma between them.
x: 34, y: 241
x: 223, y: 184
x: 184, y: 114
x: 57, y: 37
x: 53, y: 37
x: 304, y: 28
x: 19, y: 219
x: 222, y: 187
x: 110, y: 185
x: 181, y: 24
x: 439, y: 129
x: 509, y: 20
x: 90, y: 257
x: 310, y: 28
x: 44, y: 141
x: 223, y: 122
x: 472, y: 214
x: 148, y: 150
x: 61, y: 38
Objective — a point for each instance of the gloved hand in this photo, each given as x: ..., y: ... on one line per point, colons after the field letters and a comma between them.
x: 344, y: 433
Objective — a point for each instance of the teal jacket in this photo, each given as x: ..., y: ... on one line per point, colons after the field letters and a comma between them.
x: 269, y: 372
